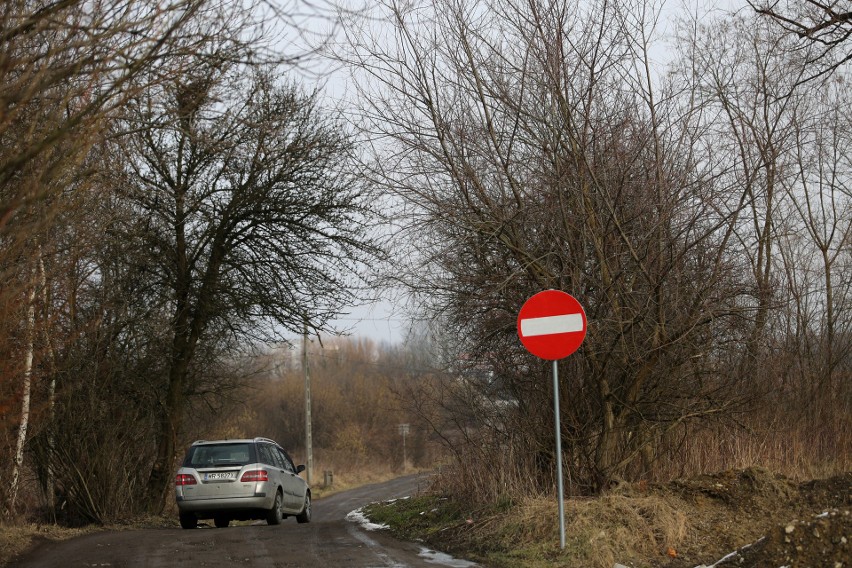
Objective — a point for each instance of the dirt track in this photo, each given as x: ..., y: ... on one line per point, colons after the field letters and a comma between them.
x: 328, y: 541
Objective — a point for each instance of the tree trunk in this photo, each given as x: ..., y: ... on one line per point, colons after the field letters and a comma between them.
x: 168, y: 426
x: 170, y: 413
x: 25, y: 403
x: 605, y: 455
x: 50, y: 481
x: 187, y: 333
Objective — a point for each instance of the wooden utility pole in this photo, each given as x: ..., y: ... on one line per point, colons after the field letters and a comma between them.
x: 403, y: 430
x: 309, y: 451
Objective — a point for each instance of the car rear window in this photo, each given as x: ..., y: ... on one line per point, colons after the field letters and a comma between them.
x: 220, y: 455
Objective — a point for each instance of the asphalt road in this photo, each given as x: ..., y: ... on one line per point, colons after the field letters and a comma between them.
x: 328, y: 541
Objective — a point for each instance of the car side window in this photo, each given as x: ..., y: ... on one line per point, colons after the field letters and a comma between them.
x: 276, y: 454
x: 288, y: 463
x: 265, y: 455
x: 273, y: 458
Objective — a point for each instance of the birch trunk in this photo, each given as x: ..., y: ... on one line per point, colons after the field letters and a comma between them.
x: 25, y: 403
x: 51, y: 393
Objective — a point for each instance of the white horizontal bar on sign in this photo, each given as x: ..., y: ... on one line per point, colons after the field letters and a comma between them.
x: 550, y: 325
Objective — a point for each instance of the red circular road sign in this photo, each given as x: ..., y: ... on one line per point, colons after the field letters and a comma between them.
x: 552, y: 324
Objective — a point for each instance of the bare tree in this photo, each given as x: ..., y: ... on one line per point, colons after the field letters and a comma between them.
x: 815, y: 254
x: 63, y: 67
x: 67, y: 63
x: 68, y: 69
x: 536, y: 149
x: 748, y: 86
x: 783, y: 145
x: 252, y: 222
x: 823, y: 25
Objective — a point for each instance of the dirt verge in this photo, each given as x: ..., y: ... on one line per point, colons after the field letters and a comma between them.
x: 751, y: 518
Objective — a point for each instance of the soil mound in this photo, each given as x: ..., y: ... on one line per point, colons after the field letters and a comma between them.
x: 764, y: 520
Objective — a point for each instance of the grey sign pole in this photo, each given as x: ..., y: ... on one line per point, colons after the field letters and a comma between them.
x: 559, y: 485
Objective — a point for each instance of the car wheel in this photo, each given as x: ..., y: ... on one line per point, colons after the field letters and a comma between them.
x: 275, y: 514
x: 188, y: 521
x: 221, y: 522
x: 305, y: 515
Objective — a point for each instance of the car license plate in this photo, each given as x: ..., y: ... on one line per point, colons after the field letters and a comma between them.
x: 220, y: 476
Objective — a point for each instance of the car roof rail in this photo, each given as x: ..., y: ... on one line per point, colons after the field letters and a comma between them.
x: 198, y: 442
x: 259, y: 439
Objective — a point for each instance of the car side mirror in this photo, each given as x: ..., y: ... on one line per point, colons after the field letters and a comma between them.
x: 300, y: 468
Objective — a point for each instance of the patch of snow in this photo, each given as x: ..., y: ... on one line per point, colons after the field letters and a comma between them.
x: 358, y: 516
x: 431, y: 556
x: 723, y: 559
x: 732, y: 555
x: 435, y: 557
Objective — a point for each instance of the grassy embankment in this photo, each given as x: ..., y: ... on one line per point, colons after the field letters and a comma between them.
x: 683, y: 523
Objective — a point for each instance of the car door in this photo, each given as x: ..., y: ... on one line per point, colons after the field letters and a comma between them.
x: 267, y: 456
x: 295, y: 486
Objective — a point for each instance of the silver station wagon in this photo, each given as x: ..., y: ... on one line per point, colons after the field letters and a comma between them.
x: 228, y: 480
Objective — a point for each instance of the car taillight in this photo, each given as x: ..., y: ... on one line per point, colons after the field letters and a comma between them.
x: 255, y: 475
x: 185, y: 479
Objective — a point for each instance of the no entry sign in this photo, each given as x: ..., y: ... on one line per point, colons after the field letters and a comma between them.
x: 552, y: 324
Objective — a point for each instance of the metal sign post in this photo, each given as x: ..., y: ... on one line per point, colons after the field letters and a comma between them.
x: 559, y: 484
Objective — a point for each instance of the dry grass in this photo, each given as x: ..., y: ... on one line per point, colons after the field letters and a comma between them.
x: 771, y: 439
x: 599, y: 532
